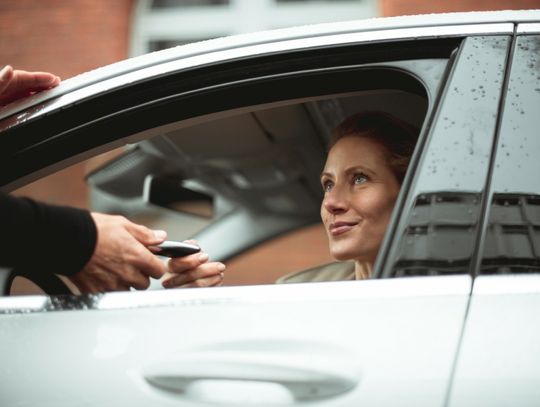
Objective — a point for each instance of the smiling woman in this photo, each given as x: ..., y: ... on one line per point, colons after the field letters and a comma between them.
x: 367, y: 160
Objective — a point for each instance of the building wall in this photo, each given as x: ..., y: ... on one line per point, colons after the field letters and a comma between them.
x: 66, y: 38
x: 405, y: 7
x: 162, y: 24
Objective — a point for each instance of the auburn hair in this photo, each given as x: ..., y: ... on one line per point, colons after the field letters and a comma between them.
x: 397, y: 136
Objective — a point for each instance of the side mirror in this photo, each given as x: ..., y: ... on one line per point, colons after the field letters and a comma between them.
x: 51, y: 284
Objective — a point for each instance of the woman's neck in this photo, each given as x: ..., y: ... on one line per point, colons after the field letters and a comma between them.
x: 362, y: 270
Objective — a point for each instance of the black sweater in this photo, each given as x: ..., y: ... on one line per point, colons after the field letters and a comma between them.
x: 42, y: 238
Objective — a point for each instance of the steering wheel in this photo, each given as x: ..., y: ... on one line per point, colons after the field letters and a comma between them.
x: 51, y: 284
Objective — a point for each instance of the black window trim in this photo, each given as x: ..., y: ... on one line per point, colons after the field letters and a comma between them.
x: 87, y: 125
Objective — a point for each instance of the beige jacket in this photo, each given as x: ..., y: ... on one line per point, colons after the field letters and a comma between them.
x: 338, y: 271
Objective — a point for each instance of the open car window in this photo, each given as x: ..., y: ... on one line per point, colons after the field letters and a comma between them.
x: 236, y: 165
x: 245, y: 182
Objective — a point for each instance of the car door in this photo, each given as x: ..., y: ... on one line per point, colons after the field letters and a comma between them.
x: 499, y: 360
x: 375, y: 342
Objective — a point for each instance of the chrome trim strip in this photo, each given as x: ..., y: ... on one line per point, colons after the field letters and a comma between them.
x: 238, y: 53
x: 22, y: 304
x: 408, y: 287
x: 507, y: 284
x: 529, y: 28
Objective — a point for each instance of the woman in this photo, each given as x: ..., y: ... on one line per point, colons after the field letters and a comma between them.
x: 367, y: 160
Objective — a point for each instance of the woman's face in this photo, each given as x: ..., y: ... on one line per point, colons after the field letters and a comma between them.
x: 360, y: 190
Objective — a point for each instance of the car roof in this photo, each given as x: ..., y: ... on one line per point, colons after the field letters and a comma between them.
x: 380, y: 24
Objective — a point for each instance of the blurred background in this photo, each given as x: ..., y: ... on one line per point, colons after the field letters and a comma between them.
x: 75, y: 36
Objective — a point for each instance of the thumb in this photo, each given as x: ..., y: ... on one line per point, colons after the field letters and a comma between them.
x: 36, y: 81
x: 6, y: 74
x: 145, y: 235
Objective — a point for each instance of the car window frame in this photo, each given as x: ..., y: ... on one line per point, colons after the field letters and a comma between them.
x: 78, y: 130
x: 418, y: 183
x: 58, y: 130
x: 522, y: 81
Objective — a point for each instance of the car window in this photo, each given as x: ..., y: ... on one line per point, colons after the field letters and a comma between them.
x: 512, y: 240
x: 439, y: 220
x: 245, y: 186
x: 237, y: 178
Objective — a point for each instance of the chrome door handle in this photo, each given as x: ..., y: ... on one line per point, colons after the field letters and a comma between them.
x: 307, y: 376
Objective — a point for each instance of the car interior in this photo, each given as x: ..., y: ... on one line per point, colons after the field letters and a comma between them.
x: 244, y: 184
x: 243, y: 179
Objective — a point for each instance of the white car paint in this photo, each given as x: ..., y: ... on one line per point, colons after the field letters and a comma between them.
x: 398, y: 334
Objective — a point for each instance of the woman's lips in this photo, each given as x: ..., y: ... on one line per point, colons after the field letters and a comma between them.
x: 339, y: 228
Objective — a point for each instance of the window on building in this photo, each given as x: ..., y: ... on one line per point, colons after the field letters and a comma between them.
x: 187, y: 3
x: 160, y: 24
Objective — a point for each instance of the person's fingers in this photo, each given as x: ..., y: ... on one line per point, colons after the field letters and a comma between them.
x: 204, y: 282
x: 140, y: 281
x: 45, y: 80
x: 6, y: 74
x: 16, y: 84
x: 145, y: 235
x: 120, y: 252
x: 145, y: 262
x: 97, y: 287
x: 118, y: 287
x: 94, y: 278
x: 185, y: 263
x: 203, y: 272
x: 128, y: 273
x: 34, y: 81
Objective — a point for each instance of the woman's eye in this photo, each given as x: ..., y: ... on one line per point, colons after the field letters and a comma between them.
x: 360, y: 179
x: 327, y: 186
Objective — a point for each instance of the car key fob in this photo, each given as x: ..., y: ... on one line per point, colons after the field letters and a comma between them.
x: 171, y: 248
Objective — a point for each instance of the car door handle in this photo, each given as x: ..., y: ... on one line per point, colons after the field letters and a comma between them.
x: 306, y: 376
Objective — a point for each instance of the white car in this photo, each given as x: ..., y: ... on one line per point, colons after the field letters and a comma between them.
x: 450, y: 316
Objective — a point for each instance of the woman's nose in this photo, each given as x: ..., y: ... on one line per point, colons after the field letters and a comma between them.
x: 335, y: 201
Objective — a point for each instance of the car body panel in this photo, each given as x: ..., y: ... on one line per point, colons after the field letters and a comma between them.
x: 499, y: 358
x: 532, y: 28
x: 399, y: 337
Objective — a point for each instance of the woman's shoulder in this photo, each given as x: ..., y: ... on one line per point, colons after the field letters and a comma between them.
x: 337, y: 271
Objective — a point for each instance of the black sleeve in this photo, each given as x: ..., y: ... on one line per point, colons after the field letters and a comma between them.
x: 45, y: 238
